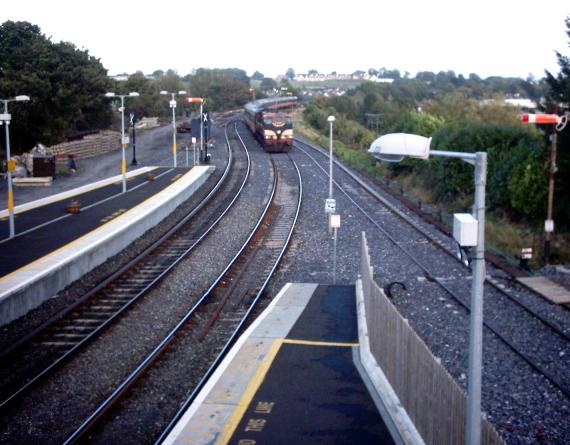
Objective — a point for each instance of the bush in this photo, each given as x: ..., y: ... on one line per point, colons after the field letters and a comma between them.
x: 508, y: 148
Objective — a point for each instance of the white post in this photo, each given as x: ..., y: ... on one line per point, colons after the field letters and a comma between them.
x: 10, y: 189
x: 123, y: 145
x: 476, y: 318
x: 331, y: 119
x: 173, y: 105
x: 334, y: 256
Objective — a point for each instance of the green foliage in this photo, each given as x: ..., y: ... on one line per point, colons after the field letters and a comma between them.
x: 527, y: 186
x: 66, y: 87
x: 149, y: 103
x: 507, y: 147
x: 222, y: 89
x: 415, y: 122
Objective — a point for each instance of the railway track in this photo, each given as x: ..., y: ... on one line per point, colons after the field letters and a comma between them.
x: 49, y: 346
x: 505, y: 311
x: 213, y: 323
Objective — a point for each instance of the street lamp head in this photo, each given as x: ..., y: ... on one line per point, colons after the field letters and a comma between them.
x: 164, y: 92
x: 22, y: 98
x: 181, y: 92
x: 109, y: 94
x: 331, y: 119
x: 134, y: 94
x: 395, y: 146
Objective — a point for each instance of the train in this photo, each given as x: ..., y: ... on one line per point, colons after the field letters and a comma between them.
x: 270, y: 122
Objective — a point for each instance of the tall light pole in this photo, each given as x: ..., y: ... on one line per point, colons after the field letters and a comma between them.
x: 5, y: 119
x: 331, y: 120
x: 173, y: 106
x: 124, y: 139
x: 393, y: 148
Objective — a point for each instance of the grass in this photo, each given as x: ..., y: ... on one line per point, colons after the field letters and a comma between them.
x: 502, y: 236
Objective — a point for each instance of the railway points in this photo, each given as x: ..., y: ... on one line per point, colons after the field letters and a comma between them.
x: 291, y: 378
x: 65, y: 250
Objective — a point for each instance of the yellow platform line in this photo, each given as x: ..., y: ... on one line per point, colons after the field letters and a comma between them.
x: 258, y: 378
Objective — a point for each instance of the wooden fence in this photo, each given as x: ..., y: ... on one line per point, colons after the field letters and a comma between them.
x: 435, y: 403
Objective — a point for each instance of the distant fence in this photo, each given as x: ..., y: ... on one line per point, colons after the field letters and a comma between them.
x: 435, y: 403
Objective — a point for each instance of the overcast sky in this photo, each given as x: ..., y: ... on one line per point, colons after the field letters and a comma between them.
x: 486, y: 37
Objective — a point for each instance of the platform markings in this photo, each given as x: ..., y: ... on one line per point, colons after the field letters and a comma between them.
x: 258, y: 378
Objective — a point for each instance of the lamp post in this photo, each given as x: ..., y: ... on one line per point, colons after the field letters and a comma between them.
x: 393, y: 148
x: 173, y: 106
x: 331, y: 120
x: 133, y: 123
x: 124, y: 139
x: 5, y: 119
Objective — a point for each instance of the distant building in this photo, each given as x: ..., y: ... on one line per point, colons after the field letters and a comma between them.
x: 522, y: 103
x: 357, y: 75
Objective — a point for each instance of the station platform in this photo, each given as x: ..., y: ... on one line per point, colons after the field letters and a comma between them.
x: 292, y: 377
x: 52, y: 247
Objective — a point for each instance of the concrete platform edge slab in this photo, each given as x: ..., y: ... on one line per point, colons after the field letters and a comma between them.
x: 397, y: 420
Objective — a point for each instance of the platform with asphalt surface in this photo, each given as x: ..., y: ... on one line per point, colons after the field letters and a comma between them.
x: 36, y: 264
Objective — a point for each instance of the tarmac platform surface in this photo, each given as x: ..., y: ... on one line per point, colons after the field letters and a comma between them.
x: 290, y: 379
x: 55, y: 227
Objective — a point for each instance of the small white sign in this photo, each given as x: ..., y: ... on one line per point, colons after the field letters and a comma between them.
x: 125, y: 140
x: 330, y: 206
x: 5, y: 117
x: 335, y: 221
x: 193, y: 140
x: 173, y: 103
x: 549, y: 225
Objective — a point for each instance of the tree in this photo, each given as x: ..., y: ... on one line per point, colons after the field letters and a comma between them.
x: 149, y: 102
x: 267, y: 84
x: 257, y: 76
x: 290, y: 74
x: 66, y: 86
x: 223, y: 89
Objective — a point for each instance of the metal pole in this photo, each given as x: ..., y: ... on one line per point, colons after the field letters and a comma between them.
x: 331, y: 160
x: 173, y: 104
x: 186, y: 154
x: 10, y: 190
x: 551, y: 176
x: 123, y: 145
x: 134, y: 161
x: 201, y: 129
x: 334, y: 255
x: 194, y: 153
x: 476, y: 318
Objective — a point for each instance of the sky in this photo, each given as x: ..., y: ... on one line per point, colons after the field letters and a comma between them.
x: 509, y: 38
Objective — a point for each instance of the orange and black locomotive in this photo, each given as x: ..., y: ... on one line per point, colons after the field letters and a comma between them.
x: 271, y: 123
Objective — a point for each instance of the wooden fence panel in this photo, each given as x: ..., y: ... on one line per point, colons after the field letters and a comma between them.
x: 433, y: 400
